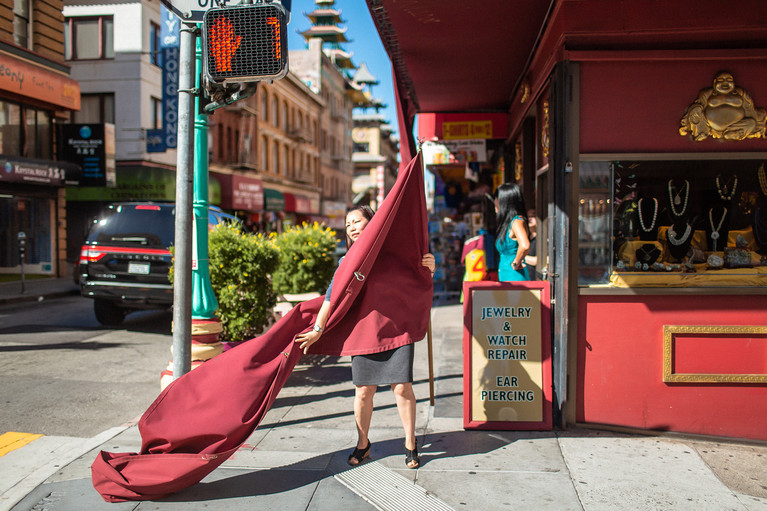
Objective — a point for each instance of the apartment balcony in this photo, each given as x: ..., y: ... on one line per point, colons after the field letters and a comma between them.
x: 299, y: 135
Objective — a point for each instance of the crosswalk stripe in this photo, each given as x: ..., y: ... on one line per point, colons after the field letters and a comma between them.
x: 13, y: 440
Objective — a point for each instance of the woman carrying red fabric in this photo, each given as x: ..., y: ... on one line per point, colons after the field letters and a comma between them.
x: 393, y: 367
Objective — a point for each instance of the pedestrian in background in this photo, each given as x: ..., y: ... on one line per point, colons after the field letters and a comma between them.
x: 531, y: 259
x: 513, y: 235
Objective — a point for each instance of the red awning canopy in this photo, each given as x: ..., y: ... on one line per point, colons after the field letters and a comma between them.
x: 459, y: 56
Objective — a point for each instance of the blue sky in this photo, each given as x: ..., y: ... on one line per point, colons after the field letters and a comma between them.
x: 365, y: 45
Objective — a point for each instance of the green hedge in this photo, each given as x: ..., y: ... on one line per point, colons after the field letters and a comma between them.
x: 240, y: 266
x: 247, y: 271
x: 306, y: 259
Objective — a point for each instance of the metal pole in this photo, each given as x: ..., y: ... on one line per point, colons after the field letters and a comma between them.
x: 431, y: 366
x: 561, y: 238
x: 22, y: 250
x: 182, y: 288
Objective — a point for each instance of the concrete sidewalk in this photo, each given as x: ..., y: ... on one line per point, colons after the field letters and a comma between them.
x: 296, y: 459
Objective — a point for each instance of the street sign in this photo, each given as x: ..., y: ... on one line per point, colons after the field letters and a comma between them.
x: 194, y: 10
x: 245, y: 43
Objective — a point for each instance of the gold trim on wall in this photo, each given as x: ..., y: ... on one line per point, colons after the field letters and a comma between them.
x: 668, y: 354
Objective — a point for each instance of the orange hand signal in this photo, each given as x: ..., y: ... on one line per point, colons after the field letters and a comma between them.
x: 223, y: 43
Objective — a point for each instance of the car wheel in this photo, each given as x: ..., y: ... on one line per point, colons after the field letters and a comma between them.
x: 107, y: 313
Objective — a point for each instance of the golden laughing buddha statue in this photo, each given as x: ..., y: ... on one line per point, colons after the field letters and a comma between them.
x: 724, y: 112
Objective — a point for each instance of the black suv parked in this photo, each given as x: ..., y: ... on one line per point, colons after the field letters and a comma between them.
x: 124, y: 262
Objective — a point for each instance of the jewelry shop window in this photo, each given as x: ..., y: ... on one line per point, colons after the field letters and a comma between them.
x: 687, y: 223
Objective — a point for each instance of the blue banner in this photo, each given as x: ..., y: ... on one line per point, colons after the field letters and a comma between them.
x: 169, y: 35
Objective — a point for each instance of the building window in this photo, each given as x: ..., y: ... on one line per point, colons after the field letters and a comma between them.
x: 22, y: 23
x: 275, y: 158
x: 284, y: 116
x: 155, y: 54
x: 89, y: 38
x: 264, y: 107
x: 25, y: 131
x: 234, y: 142
x: 95, y: 109
x: 156, y: 113
x: 275, y: 113
x: 362, y: 147
x: 264, y: 155
x: 10, y: 135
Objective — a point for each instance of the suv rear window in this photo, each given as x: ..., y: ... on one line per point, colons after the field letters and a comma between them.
x: 135, y: 225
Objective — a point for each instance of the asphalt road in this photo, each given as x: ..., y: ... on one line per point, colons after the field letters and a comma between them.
x: 62, y: 373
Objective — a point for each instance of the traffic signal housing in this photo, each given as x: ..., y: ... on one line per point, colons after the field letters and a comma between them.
x: 245, y: 43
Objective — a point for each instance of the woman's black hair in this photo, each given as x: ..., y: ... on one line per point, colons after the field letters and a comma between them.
x: 511, y: 203
x: 366, y: 211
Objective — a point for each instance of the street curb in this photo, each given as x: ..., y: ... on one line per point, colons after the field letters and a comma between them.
x: 36, y: 297
x: 26, y: 485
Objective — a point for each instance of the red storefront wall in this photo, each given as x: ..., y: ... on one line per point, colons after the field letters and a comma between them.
x: 620, y: 364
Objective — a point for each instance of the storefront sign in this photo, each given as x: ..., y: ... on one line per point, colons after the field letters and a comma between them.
x: 273, y: 200
x: 241, y: 193
x: 467, y: 129
x: 454, y: 152
x: 335, y: 212
x: 32, y: 81
x: 140, y: 183
x: 304, y: 205
x: 507, y: 344
x: 86, y: 145
x: 457, y: 126
x: 40, y: 172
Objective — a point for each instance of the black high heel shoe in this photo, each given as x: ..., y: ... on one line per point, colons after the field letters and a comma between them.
x: 358, y: 455
x: 412, y: 460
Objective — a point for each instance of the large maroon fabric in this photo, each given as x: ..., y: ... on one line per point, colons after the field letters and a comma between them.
x: 380, y: 300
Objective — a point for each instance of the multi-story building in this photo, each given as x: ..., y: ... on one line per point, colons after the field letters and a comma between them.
x: 114, y: 52
x: 264, y: 153
x: 36, y: 93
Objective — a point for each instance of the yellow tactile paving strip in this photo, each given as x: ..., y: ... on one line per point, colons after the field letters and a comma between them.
x: 12, y: 440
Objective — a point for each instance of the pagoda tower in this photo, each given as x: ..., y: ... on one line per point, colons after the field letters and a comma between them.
x: 363, y: 77
x: 325, y: 20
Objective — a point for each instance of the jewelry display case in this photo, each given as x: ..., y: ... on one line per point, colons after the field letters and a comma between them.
x: 676, y: 223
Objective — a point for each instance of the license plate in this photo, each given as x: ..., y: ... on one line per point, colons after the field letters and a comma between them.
x: 140, y: 268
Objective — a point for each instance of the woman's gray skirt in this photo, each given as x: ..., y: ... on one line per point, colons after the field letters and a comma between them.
x: 385, y: 368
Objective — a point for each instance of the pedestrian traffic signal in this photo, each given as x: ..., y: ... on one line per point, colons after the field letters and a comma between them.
x: 245, y: 43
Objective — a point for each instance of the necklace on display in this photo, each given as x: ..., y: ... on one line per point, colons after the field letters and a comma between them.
x: 654, y: 215
x: 762, y: 180
x: 676, y: 200
x: 715, y: 230
x: 671, y: 235
x: 724, y: 189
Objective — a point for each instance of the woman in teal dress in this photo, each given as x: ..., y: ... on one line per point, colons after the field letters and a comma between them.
x: 512, y: 236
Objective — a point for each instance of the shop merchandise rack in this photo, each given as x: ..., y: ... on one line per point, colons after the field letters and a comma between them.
x: 446, y: 243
